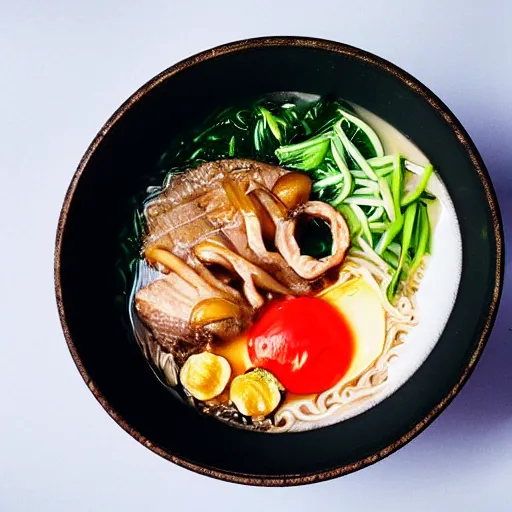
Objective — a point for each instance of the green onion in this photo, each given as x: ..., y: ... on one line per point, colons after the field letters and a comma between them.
x: 365, y: 191
x: 376, y: 215
x: 416, y: 234
x: 358, y: 174
x: 384, y: 172
x: 423, y: 227
x: 354, y: 152
x: 414, y: 168
x: 377, y: 227
x: 328, y: 182
x: 415, y: 194
x: 205, y: 132
x: 363, y: 221
x: 387, y: 198
x: 337, y: 153
x: 368, y: 131
x: 409, y: 216
x: 389, y: 235
x: 196, y: 153
x: 381, y: 162
x: 380, y: 173
x: 428, y: 248
x: 395, y: 248
x: 232, y: 146
x: 391, y: 259
x: 274, y: 128
x: 364, y: 201
x: 397, y: 185
x: 367, y: 184
x: 307, y: 129
x: 257, y: 130
x: 354, y: 226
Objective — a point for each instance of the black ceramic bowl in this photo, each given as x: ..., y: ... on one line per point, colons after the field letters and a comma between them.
x: 97, y: 205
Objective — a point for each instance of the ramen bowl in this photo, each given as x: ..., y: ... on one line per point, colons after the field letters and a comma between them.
x: 404, y: 384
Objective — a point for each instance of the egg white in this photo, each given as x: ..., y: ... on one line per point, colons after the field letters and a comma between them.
x: 362, y: 309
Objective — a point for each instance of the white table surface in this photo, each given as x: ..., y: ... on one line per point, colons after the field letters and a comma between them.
x: 65, y: 67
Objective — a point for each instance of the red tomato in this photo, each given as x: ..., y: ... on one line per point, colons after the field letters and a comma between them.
x: 305, y: 342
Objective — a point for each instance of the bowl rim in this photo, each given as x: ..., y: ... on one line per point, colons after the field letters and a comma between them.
x: 477, y: 164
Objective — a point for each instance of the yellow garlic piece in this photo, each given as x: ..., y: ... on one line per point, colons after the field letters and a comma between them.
x: 256, y: 393
x: 205, y: 375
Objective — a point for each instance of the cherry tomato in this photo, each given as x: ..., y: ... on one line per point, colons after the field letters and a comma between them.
x: 304, y: 341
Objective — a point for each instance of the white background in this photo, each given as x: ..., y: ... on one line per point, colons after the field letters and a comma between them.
x: 65, y: 66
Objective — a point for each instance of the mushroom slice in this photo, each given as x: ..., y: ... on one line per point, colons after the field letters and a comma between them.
x: 252, y: 275
x: 268, y: 227
x: 274, y: 206
x: 243, y: 203
x: 307, y: 266
x: 174, y: 264
x: 213, y: 280
x: 271, y: 262
x: 183, y: 307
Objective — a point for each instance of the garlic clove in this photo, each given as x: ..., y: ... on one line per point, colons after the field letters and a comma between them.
x: 256, y: 394
x: 205, y: 375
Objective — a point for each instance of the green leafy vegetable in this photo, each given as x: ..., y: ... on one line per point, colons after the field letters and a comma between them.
x: 304, y: 155
x: 347, y: 163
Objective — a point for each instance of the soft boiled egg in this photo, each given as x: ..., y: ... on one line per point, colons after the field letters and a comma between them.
x: 362, y: 308
x: 291, y: 332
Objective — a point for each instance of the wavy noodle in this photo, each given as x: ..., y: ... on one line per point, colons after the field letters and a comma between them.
x: 400, y: 319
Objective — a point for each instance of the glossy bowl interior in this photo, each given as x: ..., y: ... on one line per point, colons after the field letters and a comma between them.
x: 97, y: 206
